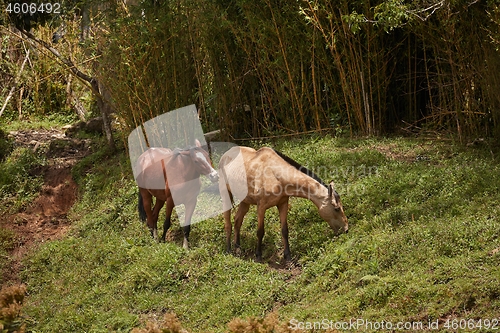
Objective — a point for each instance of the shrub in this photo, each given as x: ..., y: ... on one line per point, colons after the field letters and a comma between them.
x: 11, y: 300
x: 6, y: 145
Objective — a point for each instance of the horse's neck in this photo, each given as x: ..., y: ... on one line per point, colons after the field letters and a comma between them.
x: 298, y: 184
x: 181, y: 163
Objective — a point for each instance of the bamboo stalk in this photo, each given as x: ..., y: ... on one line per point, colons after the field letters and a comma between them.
x: 288, y: 72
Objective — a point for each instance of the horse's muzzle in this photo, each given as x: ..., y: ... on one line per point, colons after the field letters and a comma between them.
x: 341, y: 230
x: 213, y: 176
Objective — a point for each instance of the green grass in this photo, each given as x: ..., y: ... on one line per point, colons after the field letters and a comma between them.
x: 33, y: 121
x: 18, y: 186
x: 423, y: 229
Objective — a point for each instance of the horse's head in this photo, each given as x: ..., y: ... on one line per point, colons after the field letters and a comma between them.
x: 202, y: 162
x: 332, y: 211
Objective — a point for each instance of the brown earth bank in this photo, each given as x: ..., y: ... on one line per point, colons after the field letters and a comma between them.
x: 45, y: 219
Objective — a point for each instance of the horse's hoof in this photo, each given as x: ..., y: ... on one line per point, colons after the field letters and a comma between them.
x: 185, y: 245
x: 237, y: 251
x: 154, y: 235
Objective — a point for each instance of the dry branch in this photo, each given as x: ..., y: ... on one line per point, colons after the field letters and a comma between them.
x: 16, y: 81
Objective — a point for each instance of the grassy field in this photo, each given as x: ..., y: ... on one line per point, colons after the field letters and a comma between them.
x: 423, y: 246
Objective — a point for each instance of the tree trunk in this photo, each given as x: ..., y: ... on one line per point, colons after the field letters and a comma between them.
x: 104, y: 108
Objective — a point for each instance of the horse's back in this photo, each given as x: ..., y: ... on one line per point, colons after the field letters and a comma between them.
x: 149, y: 168
x: 248, y: 173
x: 248, y: 156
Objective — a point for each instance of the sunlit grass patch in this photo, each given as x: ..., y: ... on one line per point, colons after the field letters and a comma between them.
x: 423, y: 245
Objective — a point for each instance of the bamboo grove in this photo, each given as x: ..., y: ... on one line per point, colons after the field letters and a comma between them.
x: 264, y: 67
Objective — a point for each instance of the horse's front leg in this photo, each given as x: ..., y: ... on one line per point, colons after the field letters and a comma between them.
x: 283, y: 211
x: 187, y: 222
x: 238, y: 221
x: 261, y: 212
x: 147, y: 199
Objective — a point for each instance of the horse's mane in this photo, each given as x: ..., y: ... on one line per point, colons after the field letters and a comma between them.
x: 301, y: 168
x: 203, y: 147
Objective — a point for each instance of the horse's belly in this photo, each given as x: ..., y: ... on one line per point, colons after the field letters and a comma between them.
x: 250, y: 200
x: 185, y: 192
x: 159, y: 194
x: 266, y: 194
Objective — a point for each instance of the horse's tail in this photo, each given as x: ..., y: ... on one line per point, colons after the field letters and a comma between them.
x: 224, y: 178
x: 140, y: 208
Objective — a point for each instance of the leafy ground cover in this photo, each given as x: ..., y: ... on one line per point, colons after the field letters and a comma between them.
x: 423, y: 246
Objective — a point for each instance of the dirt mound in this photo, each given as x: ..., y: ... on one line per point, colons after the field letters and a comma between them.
x: 46, y: 217
x: 48, y: 211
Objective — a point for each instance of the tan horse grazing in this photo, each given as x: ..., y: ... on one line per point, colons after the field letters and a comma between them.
x: 267, y: 178
x: 172, y: 176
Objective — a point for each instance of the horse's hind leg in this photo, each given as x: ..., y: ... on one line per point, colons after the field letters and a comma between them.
x: 156, y: 209
x: 167, y: 223
x: 147, y: 198
x: 228, y: 229
x: 238, y: 221
x: 227, y: 200
x: 283, y: 211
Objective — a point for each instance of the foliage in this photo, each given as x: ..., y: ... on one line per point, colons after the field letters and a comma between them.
x: 423, y: 245
x: 254, y: 61
x: 264, y: 67
x: 45, y: 87
x: 238, y: 61
x: 5, y: 145
x: 11, y: 301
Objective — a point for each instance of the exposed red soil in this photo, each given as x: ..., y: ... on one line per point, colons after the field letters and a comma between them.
x: 45, y: 219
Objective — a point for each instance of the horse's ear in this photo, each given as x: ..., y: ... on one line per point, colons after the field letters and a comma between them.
x: 332, y: 193
x: 197, y: 143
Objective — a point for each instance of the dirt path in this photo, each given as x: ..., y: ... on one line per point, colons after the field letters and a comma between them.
x: 45, y: 218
